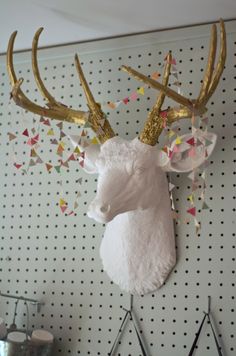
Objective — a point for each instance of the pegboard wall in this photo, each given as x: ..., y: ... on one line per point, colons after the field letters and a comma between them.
x: 55, y: 258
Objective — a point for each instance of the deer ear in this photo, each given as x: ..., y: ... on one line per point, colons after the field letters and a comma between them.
x: 190, y: 152
x: 91, y: 155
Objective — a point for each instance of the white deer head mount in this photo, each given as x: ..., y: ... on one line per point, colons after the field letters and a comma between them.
x: 138, y: 248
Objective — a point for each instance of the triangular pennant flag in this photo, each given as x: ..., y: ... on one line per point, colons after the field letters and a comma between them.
x: 99, y: 131
x: 83, y: 133
x: 65, y: 164
x: 62, y: 202
x: 173, y: 69
x: 79, y: 181
x: 25, y: 133
x: 60, y: 125
x: 191, y: 198
x: 11, y: 136
x: 72, y: 157
x: 82, y: 154
x: 36, y: 138
x: 50, y: 132
x: 191, y: 141
x: 87, y: 125
x: 24, y: 171
x: 191, y: 175
x: 178, y: 141
x: 111, y: 105
x: 39, y: 160
x: 17, y: 165
x: 63, y: 208
x: 133, y: 96
x: 171, y: 186
x: 82, y: 163
x: 173, y: 61
x: 205, y: 206
x: 125, y: 100
x: 94, y: 141
x: 57, y: 168
x: 76, y: 205
x: 175, y: 74
x: 32, y: 163
x: 62, y: 134
x: 155, y: 75
x: 78, y: 195
x: 33, y: 153
x: 207, y: 142
x: 77, y: 150
x: 48, y: 166
x: 177, y: 83
x: 141, y: 90
x: 54, y: 141
x: 46, y: 122
x: 192, y: 211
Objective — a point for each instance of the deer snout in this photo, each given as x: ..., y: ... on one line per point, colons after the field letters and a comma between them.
x: 99, y: 211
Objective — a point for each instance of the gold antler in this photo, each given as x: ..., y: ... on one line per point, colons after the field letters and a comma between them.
x: 209, y: 84
x: 154, y: 124
x: 55, y: 109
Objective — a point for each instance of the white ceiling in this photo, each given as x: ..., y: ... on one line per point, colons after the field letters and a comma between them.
x: 79, y: 20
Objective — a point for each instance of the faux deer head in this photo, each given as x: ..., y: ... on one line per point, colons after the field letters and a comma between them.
x: 138, y: 248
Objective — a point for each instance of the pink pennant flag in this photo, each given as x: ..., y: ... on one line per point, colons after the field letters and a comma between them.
x: 163, y: 114
x: 63, y: 208
x: 125, y: 100
x: 17, y: 165
x: 133, y: 96
x: 82, y: 154
x: 25, y: 133
x: 72, y: 157
x: 192, y: 211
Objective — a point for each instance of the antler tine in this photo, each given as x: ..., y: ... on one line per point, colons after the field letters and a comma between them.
x: 210, y: 65
x: 220, y: 64
x: 58, y: 112
x: 154, y: 124
x: 97, y: 118
x: 93, y: 106
x: 156, y: 85
x: 38, y: 79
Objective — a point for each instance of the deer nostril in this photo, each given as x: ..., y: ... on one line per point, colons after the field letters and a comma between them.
x: 105, y: 208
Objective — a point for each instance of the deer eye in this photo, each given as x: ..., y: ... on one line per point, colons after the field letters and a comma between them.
x: 139, y: 170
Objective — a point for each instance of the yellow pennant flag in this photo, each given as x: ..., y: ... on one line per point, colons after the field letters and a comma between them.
x: 178, y: 141
x: 50, y: 132
x: 141, y: 91
x: 94, y: 141
x: 62, y: 202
